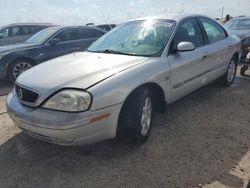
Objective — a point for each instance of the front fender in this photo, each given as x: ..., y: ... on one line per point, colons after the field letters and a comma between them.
x: 117, y: 88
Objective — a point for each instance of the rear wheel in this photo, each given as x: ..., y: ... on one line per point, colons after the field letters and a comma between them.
x: 18, y: 67
x: 230, y: 75
x: 136, y: 117
x: 243, y: 69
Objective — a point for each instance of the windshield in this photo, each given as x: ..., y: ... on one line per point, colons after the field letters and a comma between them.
x: 42, y: 36
x: 140, y: 38
x: 240, y: 24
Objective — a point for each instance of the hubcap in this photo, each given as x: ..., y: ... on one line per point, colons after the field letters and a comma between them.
x: 146, y: 116
x: 19, y: 68
x: 231, y: 71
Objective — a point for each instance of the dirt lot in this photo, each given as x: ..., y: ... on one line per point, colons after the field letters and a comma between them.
x: 201, y: 141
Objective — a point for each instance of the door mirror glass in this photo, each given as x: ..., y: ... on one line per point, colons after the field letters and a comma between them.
x: 185, y: 46
x: 54, y: 41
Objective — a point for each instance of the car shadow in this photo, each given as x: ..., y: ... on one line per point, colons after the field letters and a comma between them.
x: 5, y: 87
x: 196, y: 141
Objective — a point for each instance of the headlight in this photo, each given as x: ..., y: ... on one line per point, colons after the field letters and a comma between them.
x: 69, y: 100
x: 246, y: 40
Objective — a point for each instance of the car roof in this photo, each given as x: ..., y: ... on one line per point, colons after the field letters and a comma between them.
x: 241, y: 18
x: 175, y: 17
x: 105, y: 25
x: 68, y: 27
x: 25, y: 24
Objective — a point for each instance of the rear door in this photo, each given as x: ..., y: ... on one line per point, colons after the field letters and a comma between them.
x: 187, y: 68
x: 218, y: 47
x: 88, y: 35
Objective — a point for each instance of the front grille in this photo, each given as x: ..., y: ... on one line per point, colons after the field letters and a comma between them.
x: 26, y: 95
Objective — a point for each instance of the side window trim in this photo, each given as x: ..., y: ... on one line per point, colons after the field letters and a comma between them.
x: 203, y: 31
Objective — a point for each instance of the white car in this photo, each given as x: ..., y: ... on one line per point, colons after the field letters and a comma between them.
x: 114, y: 87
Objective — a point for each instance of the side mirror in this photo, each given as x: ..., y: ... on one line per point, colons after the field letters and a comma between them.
x: 54, y: 41
x: 185, y: 46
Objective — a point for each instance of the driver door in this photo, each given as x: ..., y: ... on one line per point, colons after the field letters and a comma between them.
x: 187, y: 68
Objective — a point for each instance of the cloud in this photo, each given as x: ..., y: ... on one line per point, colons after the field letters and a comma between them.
x: 78, y: 12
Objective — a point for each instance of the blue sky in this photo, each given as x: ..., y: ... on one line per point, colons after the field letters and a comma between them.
x: 78, y: 12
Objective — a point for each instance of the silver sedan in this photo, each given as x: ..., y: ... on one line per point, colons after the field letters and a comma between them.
x: 114, y: 88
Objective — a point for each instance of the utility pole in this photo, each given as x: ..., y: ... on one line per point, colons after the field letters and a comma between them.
x: 222, y: 12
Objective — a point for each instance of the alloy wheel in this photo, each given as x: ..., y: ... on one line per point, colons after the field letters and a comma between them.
x: 231, y: 71
x: 19, y: 68
x: 146, y: 116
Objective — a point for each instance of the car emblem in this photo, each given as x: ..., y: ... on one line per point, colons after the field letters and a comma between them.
x: 20, y: 93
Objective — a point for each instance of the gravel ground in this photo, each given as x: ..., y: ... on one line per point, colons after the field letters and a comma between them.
x: 200, y: 141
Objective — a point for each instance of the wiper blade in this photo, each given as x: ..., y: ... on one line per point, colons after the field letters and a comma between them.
x: 109, y: 51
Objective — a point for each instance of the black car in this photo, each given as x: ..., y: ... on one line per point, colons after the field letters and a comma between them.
x: 17, y: 33
x: 241, y: 28
x: 46, y: 44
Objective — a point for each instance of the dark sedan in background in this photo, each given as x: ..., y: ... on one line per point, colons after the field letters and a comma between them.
x: 17, y: 33
x: 45, y: 45
x: 241, y: 27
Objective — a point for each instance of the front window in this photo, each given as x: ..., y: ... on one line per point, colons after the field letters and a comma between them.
x: 42, y: 36
x: 67, y: 35
x: 240, y: 24
x: 140, y: 38
x: 188, y: 31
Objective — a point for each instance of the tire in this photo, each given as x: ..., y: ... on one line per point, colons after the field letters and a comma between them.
x: 243, y: 69
x: 135, y: 119
x: 17, y: 67
x: 229, y: 76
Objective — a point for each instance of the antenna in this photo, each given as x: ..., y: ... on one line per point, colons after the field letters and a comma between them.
x: 222, y: 12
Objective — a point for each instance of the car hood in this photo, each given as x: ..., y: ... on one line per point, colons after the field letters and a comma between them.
x: 76, y: 70
x: 240, y: 33
x: 15, y: 47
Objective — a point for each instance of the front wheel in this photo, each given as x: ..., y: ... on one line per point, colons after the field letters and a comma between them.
x: 136, y: 117
x: 229, y: 76
x: 18, y: 67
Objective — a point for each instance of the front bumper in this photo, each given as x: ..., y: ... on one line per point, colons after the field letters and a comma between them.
x: 63, y: 128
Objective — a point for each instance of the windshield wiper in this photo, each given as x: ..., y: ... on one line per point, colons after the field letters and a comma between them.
x: 110, y: 51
